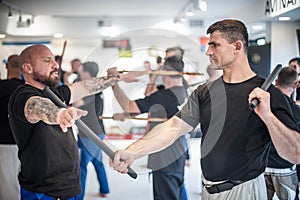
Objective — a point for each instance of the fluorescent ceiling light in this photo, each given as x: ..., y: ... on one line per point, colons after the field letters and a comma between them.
x: 58, y: 35
x: 203, y: 5
x: 261, y: 41
x: 257, y: 27
x: 284, y: 18
x: 189, y: 13
x: 182, y: 19
x: 2, y: 35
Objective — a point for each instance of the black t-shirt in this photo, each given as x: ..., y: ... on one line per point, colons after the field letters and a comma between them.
x: 164, y: 104
x: 235, y: 142
x: 298, y: 93
x: 94, y: 105
x: 275, y: 161
x: 7, y: 87
x: 49, y: 158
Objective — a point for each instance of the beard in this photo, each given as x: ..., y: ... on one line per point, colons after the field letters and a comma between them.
x: 46, y: 80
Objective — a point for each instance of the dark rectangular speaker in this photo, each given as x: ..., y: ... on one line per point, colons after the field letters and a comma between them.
x: 260, y: 59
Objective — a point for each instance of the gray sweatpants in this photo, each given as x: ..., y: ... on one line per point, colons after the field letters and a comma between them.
x: 254, y: 189
x: 9, y: 169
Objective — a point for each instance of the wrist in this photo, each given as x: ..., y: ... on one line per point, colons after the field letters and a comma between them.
x: 59, y: 113
x: 114, y: 86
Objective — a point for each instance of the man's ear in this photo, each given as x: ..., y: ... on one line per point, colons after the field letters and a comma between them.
x: 27, y: 68
x: 238, y: 45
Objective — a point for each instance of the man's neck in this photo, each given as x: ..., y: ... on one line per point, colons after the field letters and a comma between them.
x: 287, y: 91
x: 11, y: 76
x: 172, y: 82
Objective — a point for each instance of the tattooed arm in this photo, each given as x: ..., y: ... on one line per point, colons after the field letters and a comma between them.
x: 42, y: 109
x: 93, y: 86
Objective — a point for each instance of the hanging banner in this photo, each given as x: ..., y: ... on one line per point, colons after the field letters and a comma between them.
x: 278, y: 7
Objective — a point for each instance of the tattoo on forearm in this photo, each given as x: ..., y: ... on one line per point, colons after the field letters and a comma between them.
x: 39, y: 108
x: 100, y: 83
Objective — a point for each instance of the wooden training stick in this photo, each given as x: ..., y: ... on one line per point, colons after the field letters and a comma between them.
x: 138, y: 118
x: 168, y: 73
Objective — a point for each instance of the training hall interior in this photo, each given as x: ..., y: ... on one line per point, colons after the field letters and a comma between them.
x: 125, y: 34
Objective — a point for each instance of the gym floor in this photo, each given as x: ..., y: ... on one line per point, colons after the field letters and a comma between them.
x: 125, y: 188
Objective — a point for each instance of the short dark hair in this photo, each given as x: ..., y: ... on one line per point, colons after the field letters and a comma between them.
x: 14, y: 61
x: 232, y: 30
x: 91, y: 67
x: 295, y: 59
x: 57, y: 58
x: 173, y: 63
x: 287, y: 77
x: 177, y: 49
x: 158, y: 59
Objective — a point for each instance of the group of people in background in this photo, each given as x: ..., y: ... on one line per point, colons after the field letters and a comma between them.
x: 247, y: 152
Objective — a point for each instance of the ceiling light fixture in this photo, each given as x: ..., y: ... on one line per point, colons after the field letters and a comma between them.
x: 182, y: 19
x: 2, y: 35
x: 189, y: 13
x: 202, y: 5
x: 58, y: 35
x: 257, y: 27
x: 9, y: 12
x: 284, y: 18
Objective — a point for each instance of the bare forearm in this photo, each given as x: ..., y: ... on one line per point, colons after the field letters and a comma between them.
x: 285, y: 140
x: 160, y: 137
x: 89, y: 87
x: 126, y: 104
x: 39, y: 108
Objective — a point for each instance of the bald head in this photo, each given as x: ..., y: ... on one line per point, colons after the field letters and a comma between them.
x: 28, y: 54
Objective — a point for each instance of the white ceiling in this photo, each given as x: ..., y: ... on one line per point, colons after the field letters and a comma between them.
x: 77, y: 18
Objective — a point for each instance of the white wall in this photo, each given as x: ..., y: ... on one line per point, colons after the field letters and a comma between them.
x: 284, y: 42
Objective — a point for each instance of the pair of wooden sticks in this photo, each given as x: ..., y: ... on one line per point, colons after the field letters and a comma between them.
x: 168, y: 73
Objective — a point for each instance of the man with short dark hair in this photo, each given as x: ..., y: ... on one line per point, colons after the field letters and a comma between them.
x: 236, y: 140
x: 89, y: 151
x: 280, y: 175
x: 167, y: 165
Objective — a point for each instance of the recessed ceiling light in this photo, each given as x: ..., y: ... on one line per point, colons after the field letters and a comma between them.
x: 189, y: 13
x: 257, y: 27
x: 284, y: 18
x: 2, y: 35
x: 182, y: 19
x: 203, y: 5
x: 58, y: 35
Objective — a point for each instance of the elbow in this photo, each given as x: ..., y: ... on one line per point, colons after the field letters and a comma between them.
x: 293, y: 157
x: 296, y: 158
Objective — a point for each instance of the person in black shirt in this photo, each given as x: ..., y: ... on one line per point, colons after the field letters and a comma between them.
x: 9, y: 165
x: 47, y: 147
x: 236, y: 140
x: 280, y: 175
x: 167, y: 165
x: 295, y: 64
x: 89, y: 151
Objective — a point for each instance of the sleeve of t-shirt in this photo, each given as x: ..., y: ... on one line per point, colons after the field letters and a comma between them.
x: 146, y: 103
x: 17, y: 102
x: 282, y: 109
x: 190, y: 112
x: 64, y: 93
